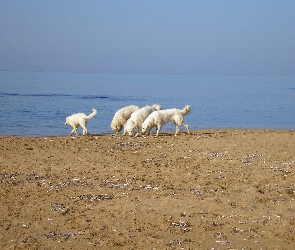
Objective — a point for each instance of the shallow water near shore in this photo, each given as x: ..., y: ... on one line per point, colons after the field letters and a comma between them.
x: 36, y: 103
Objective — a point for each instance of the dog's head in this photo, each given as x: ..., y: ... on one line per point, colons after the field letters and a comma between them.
x: 131, y: 131
x: 157, y: 106
x: 67, y: 121
x: 130, y: 128
x: 117, y: 128
x: 144, y: 129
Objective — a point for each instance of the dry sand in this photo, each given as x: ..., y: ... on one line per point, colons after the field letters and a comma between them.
x: 213, y: 189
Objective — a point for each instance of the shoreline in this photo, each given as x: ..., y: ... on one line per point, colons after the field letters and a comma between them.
x: 153, y: 132
x: 214, y: 188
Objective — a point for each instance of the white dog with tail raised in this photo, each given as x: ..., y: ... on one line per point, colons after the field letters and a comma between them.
x: 80, y: 119
x: 159, y: 118
x: 133, y: 125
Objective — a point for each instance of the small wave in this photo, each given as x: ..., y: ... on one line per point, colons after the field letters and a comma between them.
x: 128, y: 98
x: 48, y: 95
x: 111, y: 98
x: 33, y: 95
x: 9, y: 94
x: 94, y: 97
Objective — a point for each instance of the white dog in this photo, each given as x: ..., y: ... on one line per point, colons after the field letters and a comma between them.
x: 80, y: 119
x: 121, y: 117
x: 162, y: 117
x: 133, y: 124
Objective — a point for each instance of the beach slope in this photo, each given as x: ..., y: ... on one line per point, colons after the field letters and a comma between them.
x: 213, y: 189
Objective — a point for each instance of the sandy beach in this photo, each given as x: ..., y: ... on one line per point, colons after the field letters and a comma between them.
x: 213, y: 189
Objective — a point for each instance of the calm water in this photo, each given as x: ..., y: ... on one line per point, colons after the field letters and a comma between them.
x: 36, y: 103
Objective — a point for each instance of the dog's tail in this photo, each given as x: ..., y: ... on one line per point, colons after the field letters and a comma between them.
x: 94, y: 112
x: 157, y: 106
x: 187, y: 109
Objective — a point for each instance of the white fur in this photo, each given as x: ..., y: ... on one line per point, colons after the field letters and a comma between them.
x: 162, y: 117
x: 80, y: 119
x: 133, y: 124
x: 121, y: 117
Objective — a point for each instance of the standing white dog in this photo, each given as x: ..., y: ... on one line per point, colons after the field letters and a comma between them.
x: 121, y: 117
x: 133, y: 124
x: 162, y: 117
x: 80, y: 119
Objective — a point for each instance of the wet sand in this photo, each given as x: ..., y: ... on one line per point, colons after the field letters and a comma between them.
x: 213, y: 189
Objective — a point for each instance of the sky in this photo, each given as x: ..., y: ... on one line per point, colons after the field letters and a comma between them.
x: 190, y: 37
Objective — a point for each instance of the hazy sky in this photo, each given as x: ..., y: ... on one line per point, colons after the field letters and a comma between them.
x: 238, y: 37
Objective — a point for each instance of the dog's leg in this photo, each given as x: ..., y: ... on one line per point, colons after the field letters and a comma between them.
x: 158, y: 130
x: 74, y: 131
x: 176, y: 129
x: 139, y: 128
x: 85, y: 131
x: 185, y: 125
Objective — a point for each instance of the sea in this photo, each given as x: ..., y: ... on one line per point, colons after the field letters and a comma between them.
x: 35, y: 104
